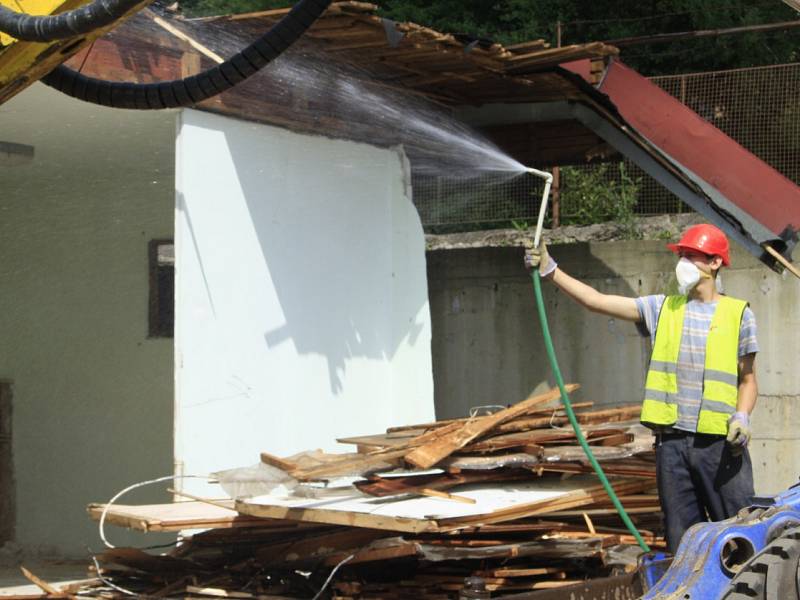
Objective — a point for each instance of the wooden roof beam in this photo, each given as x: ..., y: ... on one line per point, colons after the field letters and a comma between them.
x: 528, y: 46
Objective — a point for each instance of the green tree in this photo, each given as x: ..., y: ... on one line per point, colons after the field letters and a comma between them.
x: 513, y: 21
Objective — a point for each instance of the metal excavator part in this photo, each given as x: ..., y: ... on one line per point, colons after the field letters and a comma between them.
x: 24, y: 62
x: 753, y: 555
x: 773, y: 572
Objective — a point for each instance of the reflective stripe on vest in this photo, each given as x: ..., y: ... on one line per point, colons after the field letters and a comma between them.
x: 720, y: 377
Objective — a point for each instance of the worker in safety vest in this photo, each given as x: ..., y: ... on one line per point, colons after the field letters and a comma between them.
x: 701, y: 383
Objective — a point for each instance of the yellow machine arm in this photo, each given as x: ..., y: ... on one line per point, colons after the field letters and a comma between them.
x: 22, y: 63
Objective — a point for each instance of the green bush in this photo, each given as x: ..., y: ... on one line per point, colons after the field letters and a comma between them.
x: 603, y: 193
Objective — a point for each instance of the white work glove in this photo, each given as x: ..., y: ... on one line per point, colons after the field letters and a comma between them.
x: 738, y: 432
x: 539, y: 257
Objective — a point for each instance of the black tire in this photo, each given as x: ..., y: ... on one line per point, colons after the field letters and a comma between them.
x: 772, y: 574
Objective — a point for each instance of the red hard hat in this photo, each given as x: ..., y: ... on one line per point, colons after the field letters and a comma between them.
x: 706, y: 239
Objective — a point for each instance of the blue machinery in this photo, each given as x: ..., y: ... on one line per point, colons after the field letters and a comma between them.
x: 753, y: 555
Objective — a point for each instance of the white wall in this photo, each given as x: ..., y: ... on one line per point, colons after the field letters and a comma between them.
x: 301, y: 295
x: 92, y: 393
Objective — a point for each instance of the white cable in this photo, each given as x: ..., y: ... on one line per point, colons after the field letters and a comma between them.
x: 159, y: 480
x: 328, y: 580
x: 107, y: 582
x: 553, y: 417
x: 558, y: 427
x: 110, y: 503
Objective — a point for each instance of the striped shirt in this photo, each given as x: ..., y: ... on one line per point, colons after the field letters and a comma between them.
x: 692, y: 353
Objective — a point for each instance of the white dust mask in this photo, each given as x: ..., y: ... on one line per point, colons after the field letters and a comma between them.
x: 688, y: 275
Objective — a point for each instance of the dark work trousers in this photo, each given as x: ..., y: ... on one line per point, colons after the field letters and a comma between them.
x: 699, y: 480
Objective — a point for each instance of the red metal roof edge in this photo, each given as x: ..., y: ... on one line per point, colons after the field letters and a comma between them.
x: 740, y: 176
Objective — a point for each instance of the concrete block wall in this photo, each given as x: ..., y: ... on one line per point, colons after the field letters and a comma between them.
x: 487, y: 344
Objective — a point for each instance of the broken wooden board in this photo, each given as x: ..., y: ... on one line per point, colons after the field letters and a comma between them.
x: 535, y: 418
x: 383, y: 440
x: 623, y: 467
x: 411, y: 484
x: 536, y: 437
x: 611, y: 415
x: 350, y: 464
x: 494, y: 503
x: 420, y: 427
x: 175, y: 516
x: 427, y: 455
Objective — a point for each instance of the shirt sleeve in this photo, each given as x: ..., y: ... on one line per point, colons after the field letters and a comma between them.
x: 649, y: 309
x: 748, y: 344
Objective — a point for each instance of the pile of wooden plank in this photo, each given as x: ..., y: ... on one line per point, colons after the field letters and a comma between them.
x: 506, y: 497
x: 419, y: 56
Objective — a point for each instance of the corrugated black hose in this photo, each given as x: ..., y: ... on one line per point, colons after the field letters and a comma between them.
x: 49, y: 28
x: 194, y: 89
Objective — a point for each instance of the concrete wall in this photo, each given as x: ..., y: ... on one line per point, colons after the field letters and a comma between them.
x: 92, y: 394
x: 487, y: 345
x: 301, y: 299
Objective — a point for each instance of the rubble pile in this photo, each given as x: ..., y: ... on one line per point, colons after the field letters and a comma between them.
x: 486, y: 505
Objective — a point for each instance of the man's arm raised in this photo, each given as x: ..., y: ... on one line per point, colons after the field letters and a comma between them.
x: 620, y: 307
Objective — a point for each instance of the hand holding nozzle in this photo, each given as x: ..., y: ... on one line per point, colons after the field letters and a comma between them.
x: 539, y: 258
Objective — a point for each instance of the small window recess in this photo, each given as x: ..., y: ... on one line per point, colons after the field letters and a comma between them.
x: 161, y: 258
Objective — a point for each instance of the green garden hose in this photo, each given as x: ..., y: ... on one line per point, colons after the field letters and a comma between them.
x: 551, y: 354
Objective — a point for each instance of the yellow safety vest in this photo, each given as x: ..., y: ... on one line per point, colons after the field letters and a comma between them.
x: 721, y: 375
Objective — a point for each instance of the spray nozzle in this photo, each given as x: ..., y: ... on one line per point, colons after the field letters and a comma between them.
x: 548, y: 177
x: 548, y: 181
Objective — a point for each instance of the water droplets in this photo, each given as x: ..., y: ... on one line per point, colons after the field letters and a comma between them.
x: 377, y: 111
